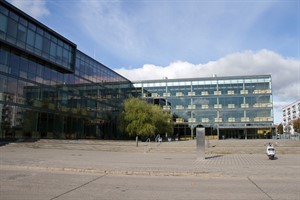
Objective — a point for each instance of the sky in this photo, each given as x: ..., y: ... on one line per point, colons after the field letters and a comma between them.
x: 152, y: 39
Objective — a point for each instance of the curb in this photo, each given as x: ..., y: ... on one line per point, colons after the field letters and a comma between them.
x: 111, y: 172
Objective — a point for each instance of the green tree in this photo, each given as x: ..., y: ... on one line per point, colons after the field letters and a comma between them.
x: 296, y: 125
x: 140, y: 118
x: 162, y: 120
x: 280, y: 129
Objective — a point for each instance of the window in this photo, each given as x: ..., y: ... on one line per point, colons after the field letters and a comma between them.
x: 53, y: 50
x: 32, y: 67
x: 3, y: 10
x: 12, y: 28
x: 12, y: 85
x: 21, y: 85
x: 21, y: 33
x: 14, y: 61
x: 23, y: 64
x: 38, y: 42
x: 46, y: 45
x: 65, y: 56
x: 30, y: 38
x: 23, y: 21
x: 3, y: 83
x: 13, y: 16
x: 3, y: 57
x: 32, y: 26
x: 59, y: 53
x: 3, y: 23
x: 39, y: 70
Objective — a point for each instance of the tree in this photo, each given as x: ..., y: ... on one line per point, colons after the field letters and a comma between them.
x: 280, y: 129
x: 162, y: 120
x: 296, y: 125
x: 138, y: 118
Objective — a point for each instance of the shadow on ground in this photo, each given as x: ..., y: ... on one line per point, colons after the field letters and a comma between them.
x: 5, y: 141
x: 215, y: 156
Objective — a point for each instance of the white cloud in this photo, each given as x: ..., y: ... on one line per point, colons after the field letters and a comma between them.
x: 285, y: 72
x: 35, y: 8
x: 160, y: 31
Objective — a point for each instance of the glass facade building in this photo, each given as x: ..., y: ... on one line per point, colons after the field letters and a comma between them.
x: 50, y: 89
x: 229, y: 107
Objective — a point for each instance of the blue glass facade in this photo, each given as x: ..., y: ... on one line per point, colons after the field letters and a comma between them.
x: 50, y: 89
x: 233, y: 107
x: 35, y: 39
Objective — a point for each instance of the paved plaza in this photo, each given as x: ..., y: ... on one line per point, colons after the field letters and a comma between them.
x: 89, y: 169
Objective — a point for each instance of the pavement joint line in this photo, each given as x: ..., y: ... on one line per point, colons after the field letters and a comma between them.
x: 114, y: 172
x: 80, y: 186
x: 259, y: 188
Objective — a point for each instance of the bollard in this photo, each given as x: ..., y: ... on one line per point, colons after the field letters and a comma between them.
x: 200, y: 141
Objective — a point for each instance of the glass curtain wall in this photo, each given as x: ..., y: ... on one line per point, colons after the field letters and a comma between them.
x: 48, y: 88
x: 38, y: 101
x: 232, y: 107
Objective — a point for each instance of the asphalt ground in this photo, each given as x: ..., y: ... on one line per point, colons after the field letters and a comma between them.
x: 87, y: 169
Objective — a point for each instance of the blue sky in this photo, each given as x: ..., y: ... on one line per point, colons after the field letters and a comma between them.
x: 152, y: 39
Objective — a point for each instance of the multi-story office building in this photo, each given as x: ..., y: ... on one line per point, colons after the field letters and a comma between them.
x: 230, y: 107
x: 50, y: 89
x: 290, y: 113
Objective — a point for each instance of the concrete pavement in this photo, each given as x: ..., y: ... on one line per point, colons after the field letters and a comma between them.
x: 113, y: 170
x: 45, y: 185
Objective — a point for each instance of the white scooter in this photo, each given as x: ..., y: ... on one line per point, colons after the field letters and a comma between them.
x: 271, y: 151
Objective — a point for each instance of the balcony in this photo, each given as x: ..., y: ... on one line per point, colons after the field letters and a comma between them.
x: 217, y: 92
x: 179, y: 107
x: 231, y: 106
x: 191, y: 93
x: 166, y: 94
x: 205, y: 120
x: 262, y: 105
x: 230, y: 92
x: 191, y: 106
x: 204, y: 93
x: 166, y: 107
x: 245, y: 119
x: 154, y: 95
x: 267, y: 91
x: 179, y: 120
x: 204, y: 106
x: 262, y: 119
x: 218, y: 106
x: 244, y: 92
x: 179, y: 94
x: 231, y: 119
x: 192, y: 120
x: 245, y: 105
x: 218, y: 120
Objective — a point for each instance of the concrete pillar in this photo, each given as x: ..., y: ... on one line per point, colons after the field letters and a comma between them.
x: 200, y: 135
